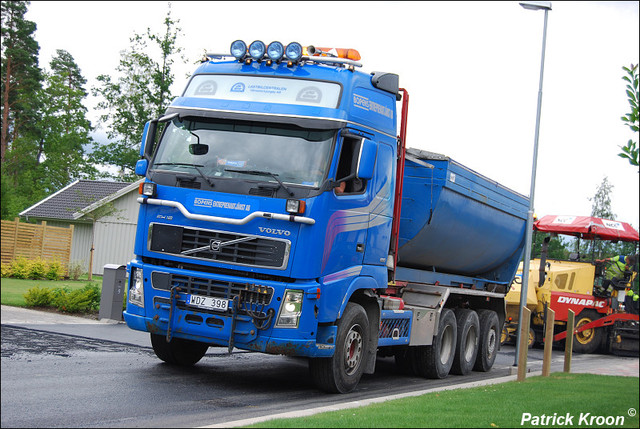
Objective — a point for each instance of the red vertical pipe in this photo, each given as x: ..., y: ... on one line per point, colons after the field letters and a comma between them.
x: 397, y: 206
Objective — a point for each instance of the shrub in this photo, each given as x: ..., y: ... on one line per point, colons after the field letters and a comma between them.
x: 20, y: 268
x: 55, y: 271
x: 76, y: 270
x: 79, y: 300
x: 6, y: 270
x: 37, y: 269
x: 38, y: 297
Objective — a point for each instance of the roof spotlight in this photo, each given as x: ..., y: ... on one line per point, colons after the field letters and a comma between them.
x: 239, y: 49
x: 256, y: 50
x: 275, y: 51
x: 293, y: 52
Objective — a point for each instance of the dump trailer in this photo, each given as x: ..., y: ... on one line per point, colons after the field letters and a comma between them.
x: 605, y: 321
x: 282, y: 213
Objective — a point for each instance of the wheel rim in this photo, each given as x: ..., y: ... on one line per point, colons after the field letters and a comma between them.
x: 353, y: 350
x: 446, y: 344
x: 532, y: 337
x: 585, y: 336
x: 491, y: 343
x: 470, y: 346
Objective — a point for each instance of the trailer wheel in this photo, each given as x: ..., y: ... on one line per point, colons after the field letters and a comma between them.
x: 435, y: 361
x: 342, y: 372
x: 179, y: 351
x: 588, y: 340
x: 488, y: 345
x: 467, y: 343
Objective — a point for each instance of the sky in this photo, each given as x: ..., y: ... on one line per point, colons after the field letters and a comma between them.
x: 472, y: 70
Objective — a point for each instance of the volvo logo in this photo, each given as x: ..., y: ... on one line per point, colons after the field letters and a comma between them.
x: 274, y: 231
x: 214, y: 245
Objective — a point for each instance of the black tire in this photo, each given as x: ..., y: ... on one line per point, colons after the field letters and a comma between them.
x: 588, y: 340
x: 435, y: 361
x: 179, y: 351
x: 467, y: 341
x: 342, y: 372
x: 488, y: 344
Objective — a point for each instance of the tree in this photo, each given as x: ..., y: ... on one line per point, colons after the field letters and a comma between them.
x: 140, y: 92
x: 65, y: 125
x: 630, y: 151
x: 21, y: 110
x: 601, y: 208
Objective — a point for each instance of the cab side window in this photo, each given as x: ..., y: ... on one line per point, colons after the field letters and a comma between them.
x: 347, y: 166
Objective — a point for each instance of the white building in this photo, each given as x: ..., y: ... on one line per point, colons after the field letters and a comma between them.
x: 80, y: 202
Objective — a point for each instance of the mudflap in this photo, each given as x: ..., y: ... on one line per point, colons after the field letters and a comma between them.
x: 624, y: 338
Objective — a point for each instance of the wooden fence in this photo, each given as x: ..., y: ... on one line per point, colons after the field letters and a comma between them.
x: 31, y: 241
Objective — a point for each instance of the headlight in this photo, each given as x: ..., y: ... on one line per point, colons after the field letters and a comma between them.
x: 136, y: 288
x: 291, y: 309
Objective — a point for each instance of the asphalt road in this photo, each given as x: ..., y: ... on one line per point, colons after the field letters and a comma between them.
x: 82, y: 373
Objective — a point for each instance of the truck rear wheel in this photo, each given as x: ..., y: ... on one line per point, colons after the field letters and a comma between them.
x: 488, y: 344
x: 342, y: 372
x: 588, y: 340
x: 467, y: 343
x: 435, y: 361
x: 179, y: 351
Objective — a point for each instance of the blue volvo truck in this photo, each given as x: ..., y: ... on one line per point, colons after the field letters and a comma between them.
x: 282, y: 213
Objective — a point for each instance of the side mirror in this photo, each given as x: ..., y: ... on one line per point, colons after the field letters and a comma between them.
x: 148, y: 135
x: 141, y: 167
x: 367, y: 159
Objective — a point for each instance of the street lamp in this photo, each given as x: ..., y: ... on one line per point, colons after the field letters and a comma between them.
x: 546, y: 6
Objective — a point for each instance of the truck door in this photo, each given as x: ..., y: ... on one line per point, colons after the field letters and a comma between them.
x: 346, y: 235
x: 381, y: 207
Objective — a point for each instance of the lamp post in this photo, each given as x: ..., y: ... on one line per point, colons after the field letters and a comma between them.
x: 546, y: 6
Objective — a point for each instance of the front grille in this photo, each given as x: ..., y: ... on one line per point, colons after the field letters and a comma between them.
x: 220, y: 246
x: 250, y: 295
x: 211, y: 287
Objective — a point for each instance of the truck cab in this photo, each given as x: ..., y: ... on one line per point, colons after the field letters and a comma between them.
x: 267, y: 203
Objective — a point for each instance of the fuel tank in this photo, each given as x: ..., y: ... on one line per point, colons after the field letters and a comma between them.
x: 456, y: 221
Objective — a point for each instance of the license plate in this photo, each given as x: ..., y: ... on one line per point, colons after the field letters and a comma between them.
x: 209, y: 302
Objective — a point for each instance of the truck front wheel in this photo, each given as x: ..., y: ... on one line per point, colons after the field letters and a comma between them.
x: 179, y: 351
x: 342, y: 372
x: 589, y: 340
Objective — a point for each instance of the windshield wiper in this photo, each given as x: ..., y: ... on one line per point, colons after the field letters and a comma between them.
x: 185, y: 164
x: 261, y: 173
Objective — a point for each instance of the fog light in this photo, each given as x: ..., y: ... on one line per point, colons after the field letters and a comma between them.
x: 295, y: 206
x: 293, y: 52
x: 239, y: 49
x: 256, y: 50
x: 290, y: 310
x: 275, y: 51
x: 148, y: 189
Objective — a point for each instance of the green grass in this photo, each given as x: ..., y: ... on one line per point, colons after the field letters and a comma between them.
x: 499, y: 405
x: 12, y: 290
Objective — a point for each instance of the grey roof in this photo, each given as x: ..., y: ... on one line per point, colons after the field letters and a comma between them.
x: 73, y: 198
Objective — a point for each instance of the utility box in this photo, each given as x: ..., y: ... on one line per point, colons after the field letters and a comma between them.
x: 114, y: 281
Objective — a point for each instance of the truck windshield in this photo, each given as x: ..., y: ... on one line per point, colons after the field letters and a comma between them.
x: 223, y: 149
